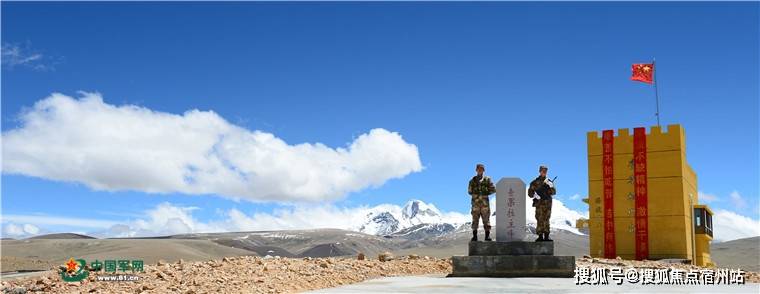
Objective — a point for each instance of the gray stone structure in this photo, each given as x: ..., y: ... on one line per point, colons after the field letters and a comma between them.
x: 509, y: 256
x: 510, y: 209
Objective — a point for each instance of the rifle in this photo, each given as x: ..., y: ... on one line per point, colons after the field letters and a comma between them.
x: 535, y: 201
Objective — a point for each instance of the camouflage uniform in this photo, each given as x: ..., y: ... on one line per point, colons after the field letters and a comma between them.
x: 479, y: 189
x: 544, y: 207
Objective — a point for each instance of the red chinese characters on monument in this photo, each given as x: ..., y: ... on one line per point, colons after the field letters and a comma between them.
x: 640, y: 189
x: 510, y: 213
x: 608, y: 138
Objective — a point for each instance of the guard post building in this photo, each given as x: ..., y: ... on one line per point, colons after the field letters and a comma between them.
x: 643, y: 201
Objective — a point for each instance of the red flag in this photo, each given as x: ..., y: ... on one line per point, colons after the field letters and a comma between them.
x: 643, y: 72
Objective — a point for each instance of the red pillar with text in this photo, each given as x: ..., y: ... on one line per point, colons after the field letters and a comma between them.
x: 608, y: 137
x: 640, y: 189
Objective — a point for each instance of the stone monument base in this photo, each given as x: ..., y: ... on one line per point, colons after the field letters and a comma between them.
x: 512, y: 259
x: 510, y: 248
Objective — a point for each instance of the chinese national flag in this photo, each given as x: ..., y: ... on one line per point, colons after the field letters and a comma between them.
x: 642, y: 72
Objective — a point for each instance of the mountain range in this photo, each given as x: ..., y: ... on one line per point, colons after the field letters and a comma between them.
x: 416, y: 228
x: 417, y: 220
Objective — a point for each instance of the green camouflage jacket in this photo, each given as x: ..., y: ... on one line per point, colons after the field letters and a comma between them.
x: 481, y: 186
x: 542, y: 189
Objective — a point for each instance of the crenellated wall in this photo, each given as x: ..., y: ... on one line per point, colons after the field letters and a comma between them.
x: 671, y: 187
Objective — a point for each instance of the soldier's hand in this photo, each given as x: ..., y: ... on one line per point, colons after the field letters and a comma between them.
x: 550, y: 184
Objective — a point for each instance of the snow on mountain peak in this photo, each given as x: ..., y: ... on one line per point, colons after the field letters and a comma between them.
x: 386, y: 219
x: 380, y: 223
x: 562, y: 217
x: 411, y: 208
x: 418, y: 210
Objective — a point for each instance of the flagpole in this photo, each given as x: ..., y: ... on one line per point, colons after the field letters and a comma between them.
x: 656, y: 92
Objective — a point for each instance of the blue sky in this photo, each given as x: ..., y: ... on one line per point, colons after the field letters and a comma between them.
x: 512, y: 85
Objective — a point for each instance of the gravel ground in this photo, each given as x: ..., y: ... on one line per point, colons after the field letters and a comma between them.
x: 246, y: 274
x: 250, y: 274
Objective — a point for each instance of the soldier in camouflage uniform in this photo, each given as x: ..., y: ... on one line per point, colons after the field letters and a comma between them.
x: 542, y: 189
x: 479, y: 188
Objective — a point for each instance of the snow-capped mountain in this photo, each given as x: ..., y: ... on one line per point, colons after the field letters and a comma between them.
x: 380, y: 223
x: 423, y: 231
x: 417, y: 219
x: 418, y: 212
x: 390, y: 219
x: 562, y: 218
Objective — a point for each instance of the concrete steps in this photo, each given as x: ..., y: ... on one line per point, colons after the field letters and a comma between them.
x: 512, y: 259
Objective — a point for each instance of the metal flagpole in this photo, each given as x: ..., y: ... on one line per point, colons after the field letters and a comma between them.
x: 656, y: 92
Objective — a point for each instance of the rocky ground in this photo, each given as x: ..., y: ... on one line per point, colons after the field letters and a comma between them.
x: 245, y: 274
x: 250, y: 274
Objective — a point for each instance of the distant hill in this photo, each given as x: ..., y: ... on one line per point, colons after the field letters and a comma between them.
x: 432, y: 240
x: 417, y: 228
x: 62, y: 236
x: 328, y: 250
x: 741, y: 253
x: 302, y: 243
x: 35, y: 254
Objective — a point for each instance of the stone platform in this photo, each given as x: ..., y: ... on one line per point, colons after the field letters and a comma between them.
x: 511, y: 248
x: 512, y: 259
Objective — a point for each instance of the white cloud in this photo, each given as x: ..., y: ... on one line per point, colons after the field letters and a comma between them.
x: 737, y: 200
x: 575, y: 197
x: 14, y: 55
x: 31, y: 229
x: 166, y: 219
x: 13, y: 230
x: 299, y: 217
x: 706, y: 197
x: 562, y: 217
x: 728, y: 225
x: 128, y: 147
x: 321, y: 216
x: 169, y: 219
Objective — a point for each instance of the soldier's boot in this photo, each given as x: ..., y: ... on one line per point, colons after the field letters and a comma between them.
x: 488, y: 238
x: 474, y: 236
x: 546, y: 238
x: 540, y: 237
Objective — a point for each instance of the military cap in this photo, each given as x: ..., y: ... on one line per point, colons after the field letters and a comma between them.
x: 480, y: 165
x: 543, y: 167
